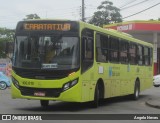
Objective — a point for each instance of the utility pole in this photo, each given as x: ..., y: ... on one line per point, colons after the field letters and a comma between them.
x: 83, y: 13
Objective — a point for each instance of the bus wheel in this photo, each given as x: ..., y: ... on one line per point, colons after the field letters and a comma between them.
x: 95, y: 102
x: 44, y: 103
x: 135, y: 95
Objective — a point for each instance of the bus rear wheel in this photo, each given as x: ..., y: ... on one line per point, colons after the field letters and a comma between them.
x: 44, y: 103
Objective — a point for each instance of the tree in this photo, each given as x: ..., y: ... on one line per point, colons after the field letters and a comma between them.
x: 32, y: 16
x: 106, y: 14
x: 6, y: 35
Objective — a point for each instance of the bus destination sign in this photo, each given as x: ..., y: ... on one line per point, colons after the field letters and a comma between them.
x: 47, y: 26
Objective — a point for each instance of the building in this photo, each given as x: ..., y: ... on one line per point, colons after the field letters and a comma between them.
x: 148, y: 31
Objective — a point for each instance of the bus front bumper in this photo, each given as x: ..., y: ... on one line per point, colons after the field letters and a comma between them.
x: 70, y: 95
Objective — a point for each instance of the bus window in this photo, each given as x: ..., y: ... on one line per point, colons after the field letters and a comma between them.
x: 102, y: 48
x: 140, y: 55
x: 123, y: 46
x: 132, y: 53
x: 87, y: 49
x: 114, y: 49
x: 146, y: 55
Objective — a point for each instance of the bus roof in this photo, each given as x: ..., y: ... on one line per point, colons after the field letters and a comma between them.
x: 39, y: 20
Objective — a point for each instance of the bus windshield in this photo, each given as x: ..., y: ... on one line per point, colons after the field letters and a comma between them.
x: 46, y: 52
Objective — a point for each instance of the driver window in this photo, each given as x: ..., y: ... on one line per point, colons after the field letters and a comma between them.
x: 88, y: 48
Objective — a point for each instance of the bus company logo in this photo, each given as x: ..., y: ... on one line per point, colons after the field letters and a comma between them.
x: 27, y: 83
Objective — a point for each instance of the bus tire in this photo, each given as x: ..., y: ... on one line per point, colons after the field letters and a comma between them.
x: 136, y: 93
x: 95, y: 102
x: 44, y: 103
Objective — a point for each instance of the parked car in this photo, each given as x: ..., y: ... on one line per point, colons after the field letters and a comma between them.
x: 156, y: 80
x: 4, y: 81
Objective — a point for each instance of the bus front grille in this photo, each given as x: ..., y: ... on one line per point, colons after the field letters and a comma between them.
x: 48, y: 92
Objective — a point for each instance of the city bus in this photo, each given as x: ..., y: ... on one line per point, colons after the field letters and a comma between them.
x: 73, y: 61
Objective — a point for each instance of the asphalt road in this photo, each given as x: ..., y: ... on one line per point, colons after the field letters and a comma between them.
x: 119, y: 105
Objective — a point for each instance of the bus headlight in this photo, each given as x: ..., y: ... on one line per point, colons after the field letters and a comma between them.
x: 15, y: 82
x: 68, y: 85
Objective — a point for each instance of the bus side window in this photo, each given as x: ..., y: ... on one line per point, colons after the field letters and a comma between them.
x: 146, y: 56
x: 123, y: 48
x: 87, y: 49
x: 132, y: 53
x: 101, y: 48
x: 140, y: 55
x: 114, y: 49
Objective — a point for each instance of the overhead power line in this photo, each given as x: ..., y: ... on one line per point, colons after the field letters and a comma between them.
x: 134, y: 5
x: 142, y: 11
x: 121, y: 7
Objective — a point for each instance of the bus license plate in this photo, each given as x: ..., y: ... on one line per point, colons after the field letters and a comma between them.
x: 41, y: 94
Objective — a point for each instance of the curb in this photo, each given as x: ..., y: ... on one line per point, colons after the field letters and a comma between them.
x: 149, y: 103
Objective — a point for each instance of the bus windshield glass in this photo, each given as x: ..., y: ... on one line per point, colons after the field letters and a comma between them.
x: 46, y: 52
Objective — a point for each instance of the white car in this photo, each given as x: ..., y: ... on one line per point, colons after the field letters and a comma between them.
x: 156, y: 80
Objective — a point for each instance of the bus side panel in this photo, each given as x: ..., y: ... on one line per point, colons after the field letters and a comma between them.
x: 124, y: 79
x: 147, y: 80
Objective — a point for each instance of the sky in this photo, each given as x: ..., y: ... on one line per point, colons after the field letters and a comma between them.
x: 12, y: 11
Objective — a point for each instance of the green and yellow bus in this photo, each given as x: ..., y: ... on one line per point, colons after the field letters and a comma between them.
x: 77, y: 62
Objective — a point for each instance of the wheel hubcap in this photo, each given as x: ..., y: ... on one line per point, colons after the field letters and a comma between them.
x: 2, y: 85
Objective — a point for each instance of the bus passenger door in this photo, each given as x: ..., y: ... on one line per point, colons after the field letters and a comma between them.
x: 87, y: 63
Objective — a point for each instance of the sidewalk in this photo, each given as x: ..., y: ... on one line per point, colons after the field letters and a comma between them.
x: 153, y: 102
